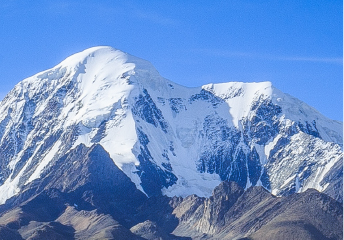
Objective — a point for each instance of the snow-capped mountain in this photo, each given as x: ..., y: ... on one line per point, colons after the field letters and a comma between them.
x: 165, y: 137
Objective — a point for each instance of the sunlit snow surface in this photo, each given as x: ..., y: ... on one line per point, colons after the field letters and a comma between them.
x: 91, y: 97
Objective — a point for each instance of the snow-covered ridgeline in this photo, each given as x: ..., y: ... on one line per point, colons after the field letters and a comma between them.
x: 105, y: 96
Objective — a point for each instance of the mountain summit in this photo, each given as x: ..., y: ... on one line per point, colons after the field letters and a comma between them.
x: 168, y: 139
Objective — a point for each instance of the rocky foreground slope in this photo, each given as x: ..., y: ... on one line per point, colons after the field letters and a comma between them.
x: 66, y: 205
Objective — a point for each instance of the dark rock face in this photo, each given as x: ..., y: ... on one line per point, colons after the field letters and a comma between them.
x: 334, y: 177
x: 6, y: 233
x: 254, y: 167
x: 310, y: 129
x: 224, y: 197
x: 146, y: 109
x: 207, y: 96
x: 264, y: 123
x: 153, y: 177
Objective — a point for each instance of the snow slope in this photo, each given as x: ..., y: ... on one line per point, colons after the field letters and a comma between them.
x: 167, y: 138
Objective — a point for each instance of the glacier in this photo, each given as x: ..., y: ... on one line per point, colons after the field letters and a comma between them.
x: 167, y: 138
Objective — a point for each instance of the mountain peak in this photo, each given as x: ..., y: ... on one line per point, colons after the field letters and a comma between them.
x: 105, y: 55
x: 81, y: 57
x: 168, y: 139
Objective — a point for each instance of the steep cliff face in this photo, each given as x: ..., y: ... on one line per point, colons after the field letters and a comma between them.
x: 164, y: 137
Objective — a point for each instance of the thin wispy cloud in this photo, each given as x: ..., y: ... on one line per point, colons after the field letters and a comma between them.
x: 253, y: 55
x: 313, y: 59
x: 223, y: 53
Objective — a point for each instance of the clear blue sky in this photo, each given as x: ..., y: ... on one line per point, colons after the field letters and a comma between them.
x: 295, y: 44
